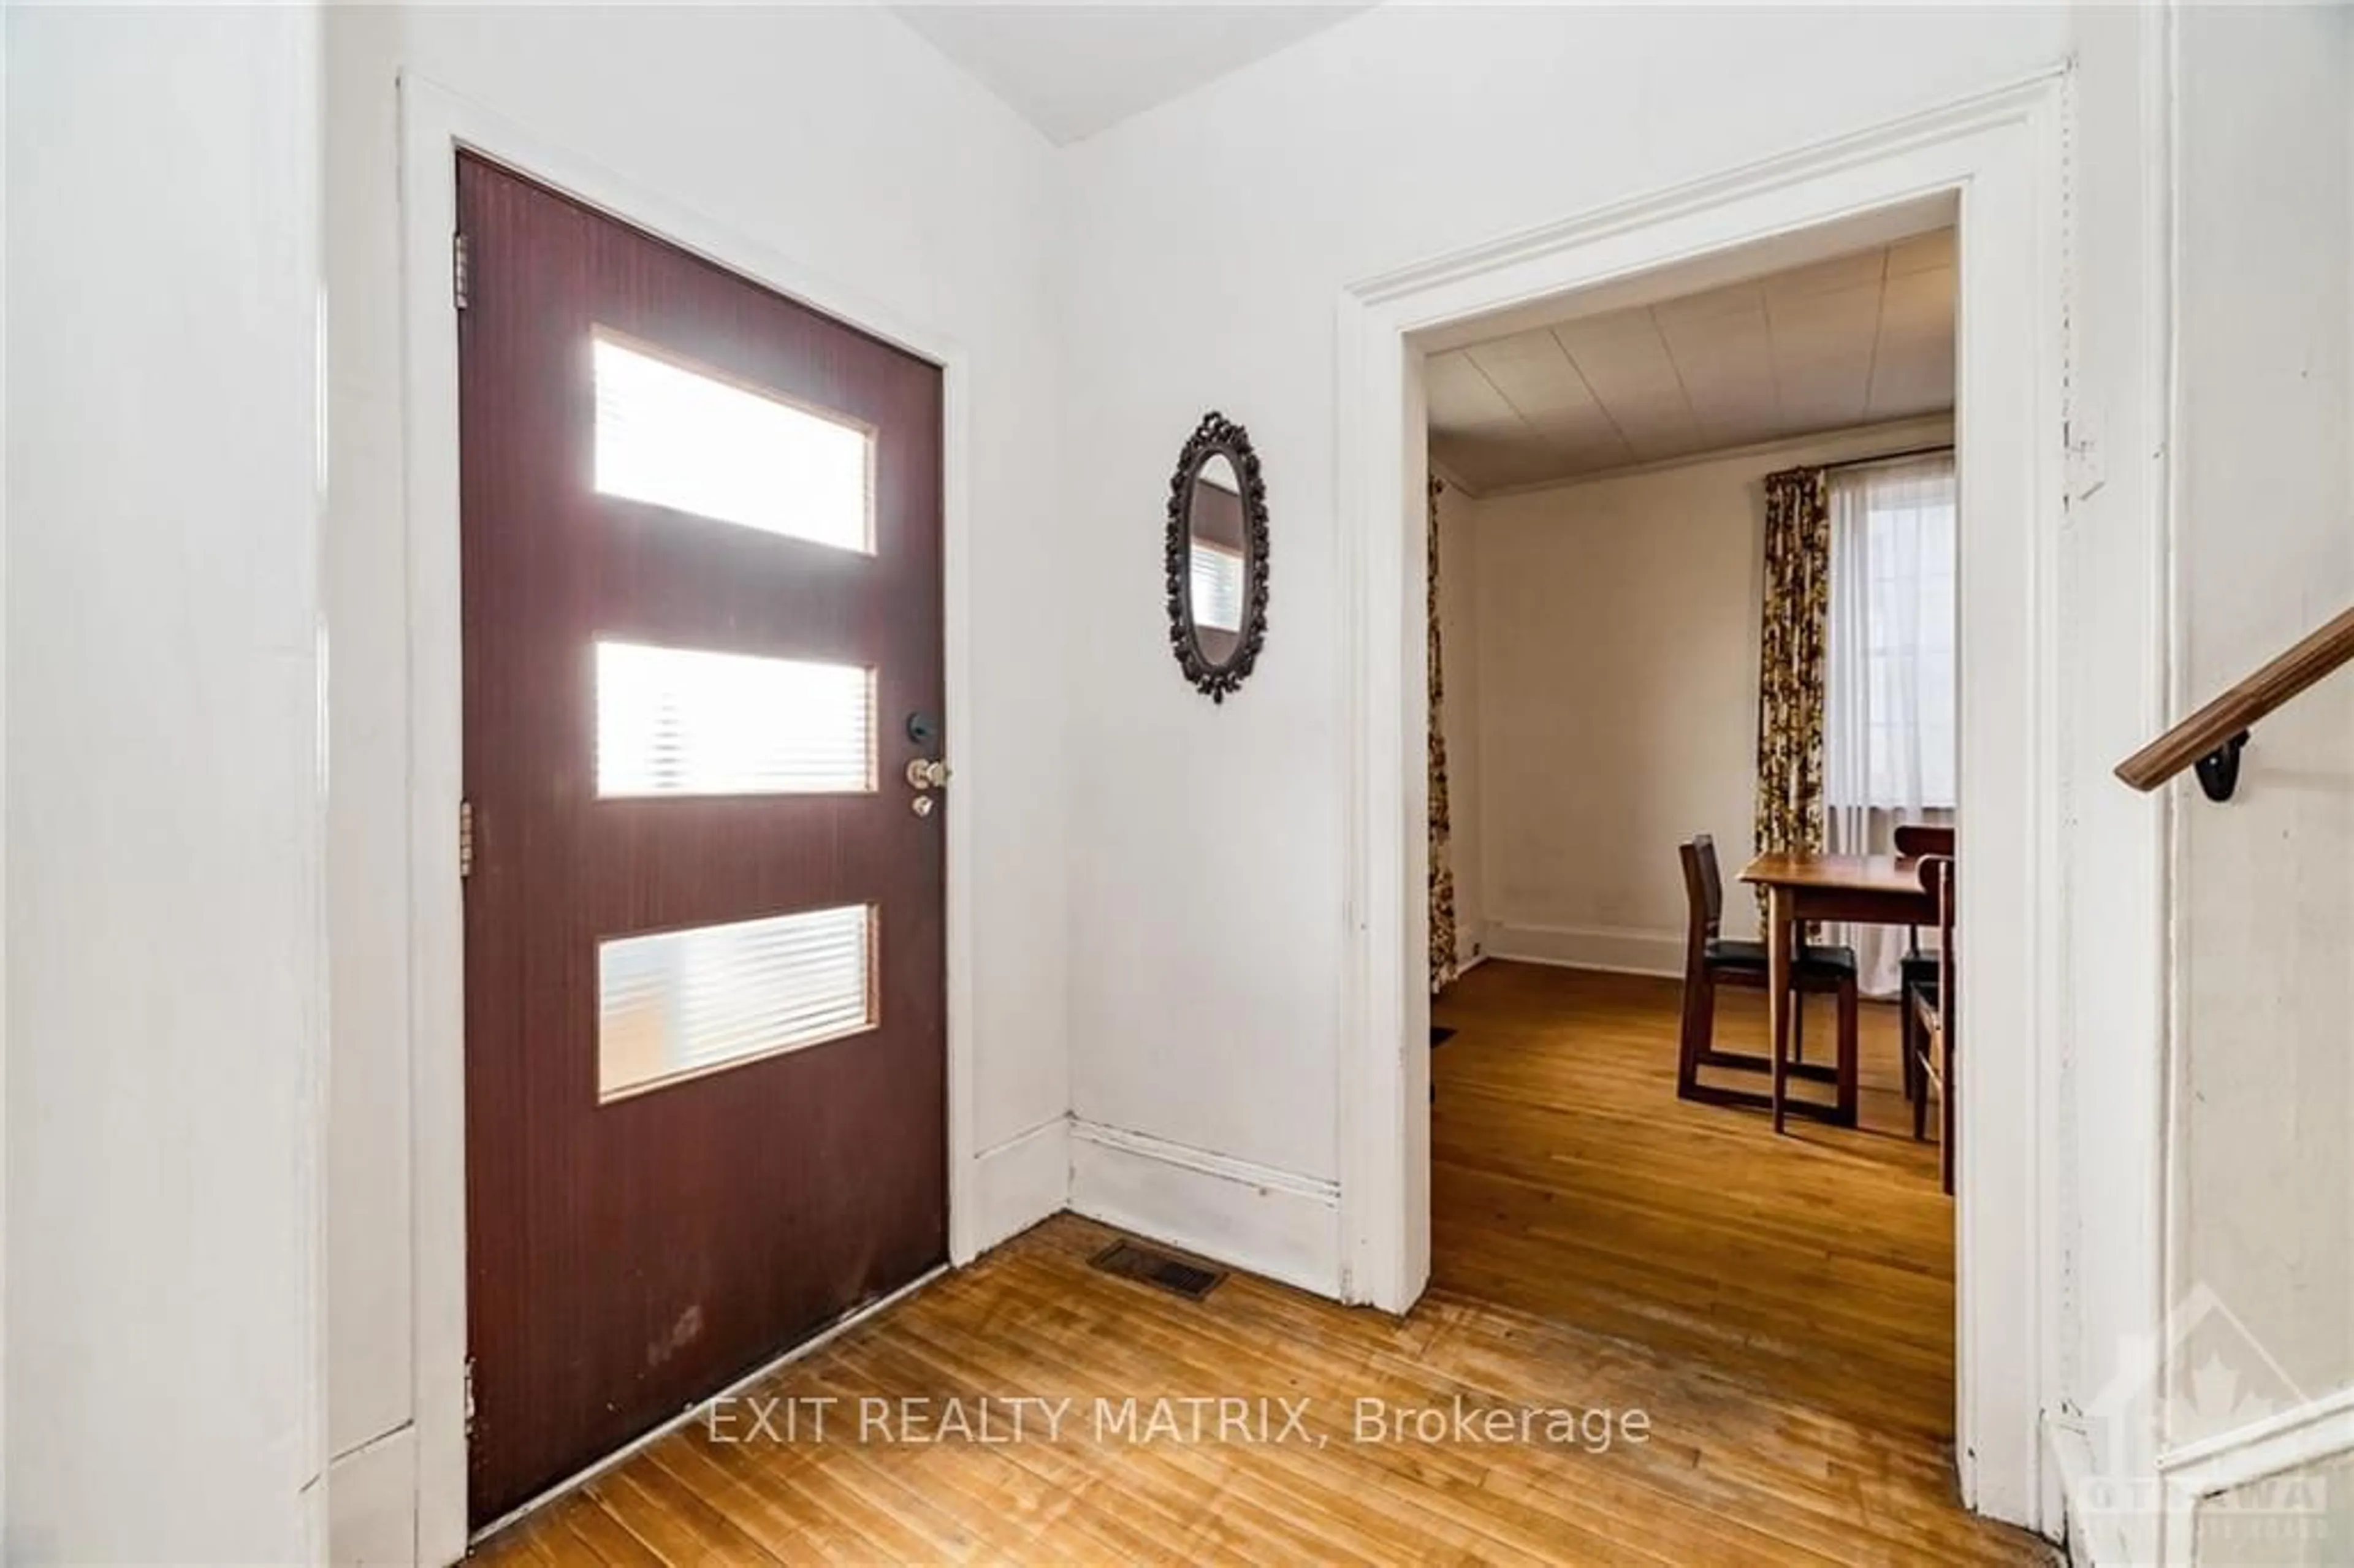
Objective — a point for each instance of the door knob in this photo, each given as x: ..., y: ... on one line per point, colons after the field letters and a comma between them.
x: 925, y: 773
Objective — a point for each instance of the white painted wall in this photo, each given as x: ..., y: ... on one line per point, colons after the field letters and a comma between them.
x: 2263, y: 1168
x: 1459, y: 625
x: 832, y: 136
x: 162, y: 784
x: 1618, y: 652
x: 1206, y: 1019
x: 165, y: 978
x: 3, y: 922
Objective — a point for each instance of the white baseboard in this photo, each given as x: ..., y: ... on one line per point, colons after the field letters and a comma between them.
x: 1018, y: 1182
x: 1279, y: 1223
x: 372, y: 1502
x: 1625, y: 950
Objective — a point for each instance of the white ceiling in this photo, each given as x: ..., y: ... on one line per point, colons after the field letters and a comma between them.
x: 1073, y: 70
x: 1852, y: 340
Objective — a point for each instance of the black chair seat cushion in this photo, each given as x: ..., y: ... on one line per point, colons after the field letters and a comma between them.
x: 1725, y: 953
x: 1914, y: 968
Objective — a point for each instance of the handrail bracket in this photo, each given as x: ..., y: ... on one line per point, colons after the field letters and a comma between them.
x: 2219, y: 770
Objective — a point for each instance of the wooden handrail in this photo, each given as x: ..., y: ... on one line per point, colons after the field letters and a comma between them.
x: 2221, y: 725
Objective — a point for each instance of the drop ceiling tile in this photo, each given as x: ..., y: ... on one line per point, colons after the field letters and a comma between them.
x: 1919, y: 299
x: 1592, y: 457
x: 1856, y: 338
x: 1533, y: 373
x: 1749, y: 431
x: 1524, y: 351
x: 1723, y: 354
x: 1532, y: 467
x: 1860, y: 271
x: 1461, y: 456
x: 1585, y: 422
x: 1727, y: 322
x: 1821, y: 393
x: 1620, y: 356
x: 1913, y: 363
x: 1822, y: 405
x: 1733, y: 413
x: 1825, y: 321
x: 1459, y: 398
x: 1698, y: 311
x: 1922, y: 253
x: 1822, y: 353
x: 1625, y: 360
x: 1670, y: 445
x: 1487, y: 464
x: 1918, y: 379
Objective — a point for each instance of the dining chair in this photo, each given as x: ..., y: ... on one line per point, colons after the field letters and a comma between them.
x: 1925, y: 838
x: 1929, y: 1016
x: 1913, y: 839
x: 1712, y: 958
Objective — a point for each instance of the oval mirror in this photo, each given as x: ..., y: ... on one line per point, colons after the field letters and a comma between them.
x: 1217, y: 558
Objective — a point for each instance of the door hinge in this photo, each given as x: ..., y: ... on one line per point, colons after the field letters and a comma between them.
x: 470, y: 1397
x: 458, y: 269
x: 465, y: 840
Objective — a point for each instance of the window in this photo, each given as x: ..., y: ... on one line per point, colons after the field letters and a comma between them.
x: 694, y: 441
x: 676, y: 721
x: 1891, y: 704
x: 670, y: 1004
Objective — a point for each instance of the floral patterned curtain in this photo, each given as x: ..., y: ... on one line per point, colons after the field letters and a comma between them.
x: 1442, y: 869
x: 1790, y: 665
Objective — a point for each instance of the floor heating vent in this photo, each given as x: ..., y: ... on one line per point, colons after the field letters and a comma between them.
x: 1131, y: 1261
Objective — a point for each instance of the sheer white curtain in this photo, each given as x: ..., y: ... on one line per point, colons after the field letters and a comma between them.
x: 1889, y: 705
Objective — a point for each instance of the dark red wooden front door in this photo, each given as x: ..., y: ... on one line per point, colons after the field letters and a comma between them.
x: 706, y: 1068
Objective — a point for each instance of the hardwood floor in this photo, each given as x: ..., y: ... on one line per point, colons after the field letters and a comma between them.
x: 1568, y: 1181
x: 1778, y: 1312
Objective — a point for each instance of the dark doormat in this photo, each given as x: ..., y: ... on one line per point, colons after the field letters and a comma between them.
x: 1439, y: 1035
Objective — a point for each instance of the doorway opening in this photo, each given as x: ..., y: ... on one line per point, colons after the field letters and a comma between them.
x: 1990, y: 169
x: 1692, y: 600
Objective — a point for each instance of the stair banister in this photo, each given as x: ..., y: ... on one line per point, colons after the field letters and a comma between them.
x: 2210, y: 740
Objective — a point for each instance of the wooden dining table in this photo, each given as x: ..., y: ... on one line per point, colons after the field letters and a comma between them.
x: 1805, y: 885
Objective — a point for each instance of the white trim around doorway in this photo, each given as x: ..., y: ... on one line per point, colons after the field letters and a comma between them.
x: 1997, y: 160
x: 435, y: 125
